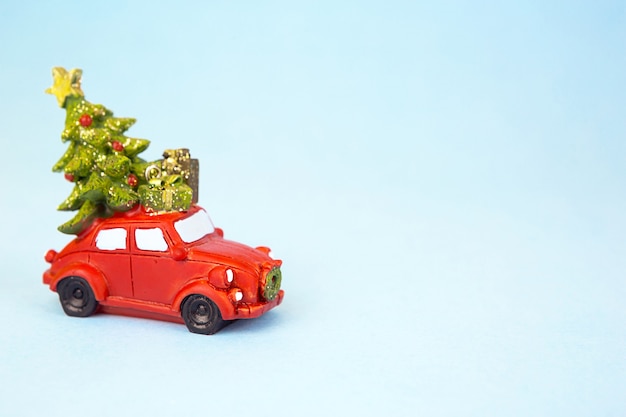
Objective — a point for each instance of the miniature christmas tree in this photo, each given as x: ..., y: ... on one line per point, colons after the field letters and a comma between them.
x: 100, y: 159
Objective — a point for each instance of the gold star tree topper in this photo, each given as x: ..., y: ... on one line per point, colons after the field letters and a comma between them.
x: 66, y: 83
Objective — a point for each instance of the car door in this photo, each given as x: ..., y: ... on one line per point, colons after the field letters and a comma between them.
x: 155, y: 273
x: 110, y: 254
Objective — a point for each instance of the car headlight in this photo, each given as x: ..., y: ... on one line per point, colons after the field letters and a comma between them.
x: 221, y: 277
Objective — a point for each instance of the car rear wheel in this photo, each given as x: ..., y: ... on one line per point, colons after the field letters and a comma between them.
x: 77, y: 298
x: 201, y: 315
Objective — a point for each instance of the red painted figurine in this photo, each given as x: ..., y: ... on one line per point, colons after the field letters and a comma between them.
x: 143, y: 247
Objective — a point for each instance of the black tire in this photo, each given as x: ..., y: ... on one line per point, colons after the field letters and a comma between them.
x: 77, y: 298
x: 201, y: 315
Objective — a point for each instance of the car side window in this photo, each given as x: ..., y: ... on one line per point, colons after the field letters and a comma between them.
x: 111, y: 239
x: 150, y: 239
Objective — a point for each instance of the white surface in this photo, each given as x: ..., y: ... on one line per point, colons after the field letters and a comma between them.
x: 111, y: 239
x: 194, y: 227
x: 150, y: 239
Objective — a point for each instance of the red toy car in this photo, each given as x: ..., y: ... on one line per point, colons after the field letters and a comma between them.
x: 174, y: 266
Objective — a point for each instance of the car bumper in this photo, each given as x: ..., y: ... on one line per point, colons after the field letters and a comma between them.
x: 47, y: 277
x: 250, y: 311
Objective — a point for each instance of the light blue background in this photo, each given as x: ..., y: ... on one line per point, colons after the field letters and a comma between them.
x: 444, y: 181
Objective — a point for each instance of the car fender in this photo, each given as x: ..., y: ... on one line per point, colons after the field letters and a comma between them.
x: 92, y: 275
x: 203, y: 287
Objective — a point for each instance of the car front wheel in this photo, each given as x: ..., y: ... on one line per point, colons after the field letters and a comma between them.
x: 201, y: 315
x: 77, y: 298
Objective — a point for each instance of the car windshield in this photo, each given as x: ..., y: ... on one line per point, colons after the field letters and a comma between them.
x: 194, y: 227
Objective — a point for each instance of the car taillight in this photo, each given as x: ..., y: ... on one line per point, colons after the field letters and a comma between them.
x: 50, y: 255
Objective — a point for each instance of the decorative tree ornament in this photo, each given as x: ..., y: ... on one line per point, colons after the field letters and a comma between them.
x: 117, y: 146
x: 69, y: 177
x: 85, y: 120
x: 132, y: 180
x: 66, y: 84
